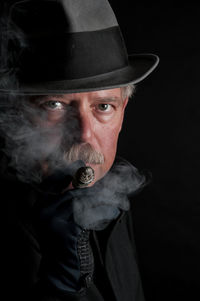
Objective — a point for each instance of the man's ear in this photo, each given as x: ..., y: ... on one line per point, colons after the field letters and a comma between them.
x: 125, y: 102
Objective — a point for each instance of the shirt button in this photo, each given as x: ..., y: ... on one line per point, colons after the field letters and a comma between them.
x: 88, y: 280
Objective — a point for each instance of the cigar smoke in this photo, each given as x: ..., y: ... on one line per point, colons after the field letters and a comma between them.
x: 12, y: 45
x: 95, y: 207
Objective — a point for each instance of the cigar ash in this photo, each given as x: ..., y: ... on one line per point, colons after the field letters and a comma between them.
x: 83, y: 177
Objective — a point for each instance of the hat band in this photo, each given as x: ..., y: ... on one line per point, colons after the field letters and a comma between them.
x: 72, y: 55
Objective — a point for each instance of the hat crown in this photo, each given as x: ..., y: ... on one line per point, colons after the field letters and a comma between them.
x: 93, y: 15
x: 65, y: 15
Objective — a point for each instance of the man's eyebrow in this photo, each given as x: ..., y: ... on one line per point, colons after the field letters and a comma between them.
x: 46, y: 97
x: 108, y: 99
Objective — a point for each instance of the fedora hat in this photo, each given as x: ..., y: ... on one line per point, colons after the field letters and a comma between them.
x: 68, y: 46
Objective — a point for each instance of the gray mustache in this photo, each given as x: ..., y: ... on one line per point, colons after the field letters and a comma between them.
x: 84, y: 152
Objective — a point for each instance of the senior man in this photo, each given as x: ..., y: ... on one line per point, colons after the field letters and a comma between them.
x: 65, y: 82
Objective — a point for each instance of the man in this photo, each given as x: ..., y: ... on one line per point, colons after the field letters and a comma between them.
x: 65, y: 83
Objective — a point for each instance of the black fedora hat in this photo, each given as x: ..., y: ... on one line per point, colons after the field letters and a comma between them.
x: 68, y: 46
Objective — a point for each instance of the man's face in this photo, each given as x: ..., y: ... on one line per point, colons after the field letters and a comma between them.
x: 98, y: 117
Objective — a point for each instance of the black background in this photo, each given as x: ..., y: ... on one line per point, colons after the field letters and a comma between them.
x: 161, y: 134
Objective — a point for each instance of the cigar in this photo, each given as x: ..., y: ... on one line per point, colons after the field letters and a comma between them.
x: 83, y: 177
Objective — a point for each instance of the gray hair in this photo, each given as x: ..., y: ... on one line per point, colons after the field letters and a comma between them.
x: 128, y: 91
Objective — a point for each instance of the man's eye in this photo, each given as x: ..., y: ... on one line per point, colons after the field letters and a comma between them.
x: 104, y: 107
x: 53, y: 105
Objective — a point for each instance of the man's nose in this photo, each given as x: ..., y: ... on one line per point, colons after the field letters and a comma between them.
x: 86, y: 126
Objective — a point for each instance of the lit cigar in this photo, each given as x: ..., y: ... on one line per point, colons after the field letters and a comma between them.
x: 83, y: 177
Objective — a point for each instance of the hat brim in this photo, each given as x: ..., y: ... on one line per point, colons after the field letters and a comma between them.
x: 140, y: 66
